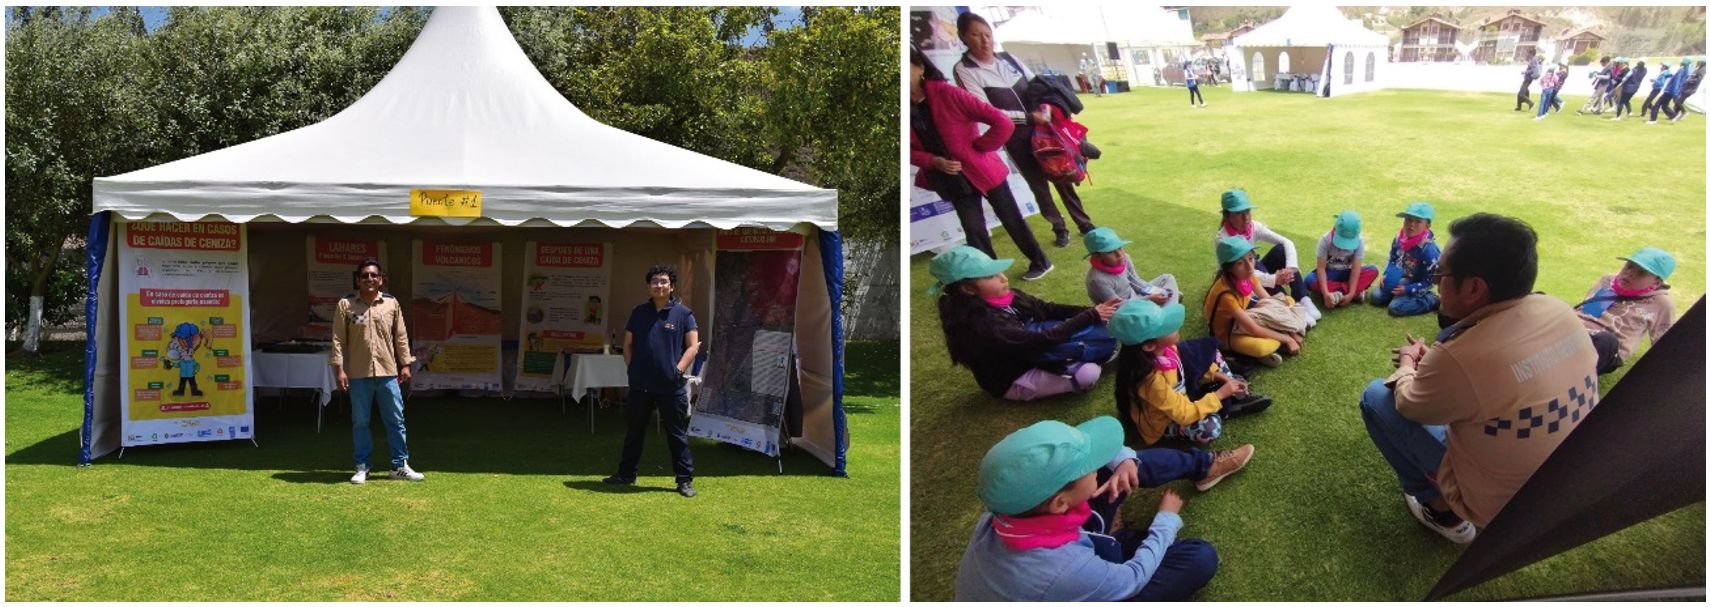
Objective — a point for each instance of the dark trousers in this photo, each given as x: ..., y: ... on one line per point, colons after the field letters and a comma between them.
x: 1608, y: 351
x: 1666, y: 104
x: 672, y: 408
x: 1525, y: 96
x: 1193, y: 93
x: 1625, y: 102
x: 1020, y: 149
x: 1187, y: 564
x: 1680, y: 103
x: 973, y: 218
x: 1650, y: 102
x: 1277, y: 258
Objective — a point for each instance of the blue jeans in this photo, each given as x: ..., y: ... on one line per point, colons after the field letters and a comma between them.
x: 1403, y: 305
x: 1544, y: 102
x: 365, y: 393
x: 1188, y: 564
x: 1413, y: 449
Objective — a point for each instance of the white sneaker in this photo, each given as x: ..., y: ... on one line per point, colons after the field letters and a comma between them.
x: 1462, y: 533
x: 1312, y: 313
x: 404, y: 472
x: 360, y: 477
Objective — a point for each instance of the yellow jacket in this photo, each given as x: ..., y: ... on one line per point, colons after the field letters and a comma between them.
x: 1163, y: 399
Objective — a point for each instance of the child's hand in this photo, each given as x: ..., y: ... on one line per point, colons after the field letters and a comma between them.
x: 1171, y: 502
x: 1108, y: 308
x: 1399, y: 290
x: 946, y: 165
x: 1227, y: 390
x: 1125, y: 479
x: 1159, y: 297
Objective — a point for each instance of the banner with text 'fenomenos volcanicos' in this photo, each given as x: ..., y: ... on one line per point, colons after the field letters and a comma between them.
x: 454, y: 315
x: 184, y: 326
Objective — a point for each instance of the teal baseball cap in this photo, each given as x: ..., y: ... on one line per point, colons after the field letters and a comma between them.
x: 1420, y: 209
x: 1236, y: 200
x: 1102, y: 240
x: 1654, y: 260
x: 962, y: 263
x: 1231, y: 248
x: 1139, y: 321
x: 1347, y: 233
x: 1032, y: 464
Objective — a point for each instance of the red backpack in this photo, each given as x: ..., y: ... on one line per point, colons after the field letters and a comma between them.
x: 1061, y: 161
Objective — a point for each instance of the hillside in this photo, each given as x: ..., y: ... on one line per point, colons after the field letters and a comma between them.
x: 1632, y: 30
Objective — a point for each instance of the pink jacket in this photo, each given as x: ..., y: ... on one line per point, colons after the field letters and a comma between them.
x: 957, y: 115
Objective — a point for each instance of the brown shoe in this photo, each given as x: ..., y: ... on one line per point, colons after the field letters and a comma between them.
x: 1225, y: 463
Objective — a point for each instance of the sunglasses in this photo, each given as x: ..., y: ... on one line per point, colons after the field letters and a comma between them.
x: 368, y: 275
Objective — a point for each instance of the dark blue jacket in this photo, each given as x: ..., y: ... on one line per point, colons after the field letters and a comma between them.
x: 1678, y: 82
x: 1634, y: 77
x: 1412, y: 267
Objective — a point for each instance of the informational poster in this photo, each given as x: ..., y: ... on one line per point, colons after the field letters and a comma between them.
x: 932, y: 222
x: 454, y: 316
x: 746, y: 379
x: 184, y: 326
x: 566, y: 287
x: 332, y: 265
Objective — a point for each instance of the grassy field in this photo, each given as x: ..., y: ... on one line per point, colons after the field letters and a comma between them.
x: 1318, y: 514
x: 512, y: 509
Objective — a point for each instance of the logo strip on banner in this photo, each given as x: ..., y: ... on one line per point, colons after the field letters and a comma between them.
x: 185, y: 332
x: 566, y: 290
x: 445, y: 203
x: 758, y: 239
x: 455, y: 316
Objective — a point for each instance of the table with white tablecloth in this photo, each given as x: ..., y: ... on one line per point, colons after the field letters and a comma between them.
x: 293, y: 370
x: 584, y: 372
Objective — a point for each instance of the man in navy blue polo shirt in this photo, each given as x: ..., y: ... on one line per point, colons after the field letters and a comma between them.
x: 659, y: 345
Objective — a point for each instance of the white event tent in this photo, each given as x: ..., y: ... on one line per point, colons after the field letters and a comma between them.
x: 1303, y: 38
x: 464, y: 109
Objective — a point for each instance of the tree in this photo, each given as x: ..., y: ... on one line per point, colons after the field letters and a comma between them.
x: 74, y: 110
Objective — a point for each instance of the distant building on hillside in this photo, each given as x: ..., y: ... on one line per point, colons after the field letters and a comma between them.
x: 1579, y: 41
x: 1427, y: 40
x: 1506, y: 39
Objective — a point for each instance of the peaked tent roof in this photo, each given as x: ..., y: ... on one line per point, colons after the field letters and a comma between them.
x: 1311, y: 25
x: 465, y: 110
x: 1133, y: 25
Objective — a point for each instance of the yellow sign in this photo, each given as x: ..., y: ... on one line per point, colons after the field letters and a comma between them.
x: 445, y: 203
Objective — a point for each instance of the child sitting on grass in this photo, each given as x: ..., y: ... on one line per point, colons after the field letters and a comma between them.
x: 1167, y: 388
x: 1231, y: 304
x: 1113, y: 275
x: 1002, y: 334
x: 1340, y: 252
x: 1624, y: 307
x: 1052, y: 493
x: 1406, y: 285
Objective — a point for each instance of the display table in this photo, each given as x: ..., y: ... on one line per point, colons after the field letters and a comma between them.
x: 586, y: 372
x: 282, y: 370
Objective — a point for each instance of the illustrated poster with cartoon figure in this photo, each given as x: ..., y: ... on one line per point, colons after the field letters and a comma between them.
x: 454, y: 316
x: 566, y: 286
x: 185, y: 332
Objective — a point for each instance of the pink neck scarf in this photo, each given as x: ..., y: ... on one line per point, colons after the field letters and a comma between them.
x: 1626, y: 292
x: 1116, y: 269
x: 1001, y: 301
x: 1409, y: 243
x: 1169, y: 359
x: 1245, y: 287
x: 1229, y: 230
x: 1043, y: 531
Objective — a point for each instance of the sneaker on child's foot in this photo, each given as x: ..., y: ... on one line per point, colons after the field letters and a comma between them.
x: 361, y: 475
x: 1225, y: 463
x: 1272, y: 360
x: 1459, y: 532
x: 405, y: 473
x: 1246, y: 404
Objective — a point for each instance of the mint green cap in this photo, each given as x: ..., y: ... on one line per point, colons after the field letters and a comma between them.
x: 1347, y: 234
x: 1654, y: 260
x: 1030, y: 465
x: 1139, y: 321
x: 1420, y: 209
x: 1231, y: 248
x: 1236, y: 200
x: 1102, y: 240
x: 962, y: 263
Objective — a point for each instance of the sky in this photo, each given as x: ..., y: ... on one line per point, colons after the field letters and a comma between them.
x: 788, y: 16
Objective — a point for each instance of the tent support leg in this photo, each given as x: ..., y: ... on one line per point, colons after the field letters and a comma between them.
x: 252, y: 442
x: 121, y: 453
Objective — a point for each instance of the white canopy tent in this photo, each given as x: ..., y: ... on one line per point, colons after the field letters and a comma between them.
x: 1302, y: 39
x: 1056, y: 37
x: 464, y: 109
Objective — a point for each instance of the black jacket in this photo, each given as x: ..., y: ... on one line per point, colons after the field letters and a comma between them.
x: 1044, y: 90
x: 1633, y: 78
x: 999, y: 347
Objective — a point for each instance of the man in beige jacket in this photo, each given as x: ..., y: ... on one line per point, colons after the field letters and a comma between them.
x: 1467, y: 420
x: 370, y: 355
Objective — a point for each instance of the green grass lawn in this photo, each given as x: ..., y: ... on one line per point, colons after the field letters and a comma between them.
x: 1318, y: 514
x: 512, y: 509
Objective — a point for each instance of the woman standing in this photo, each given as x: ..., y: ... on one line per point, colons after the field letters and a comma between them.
x: 1002, y: 81
x: 962, y: 165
